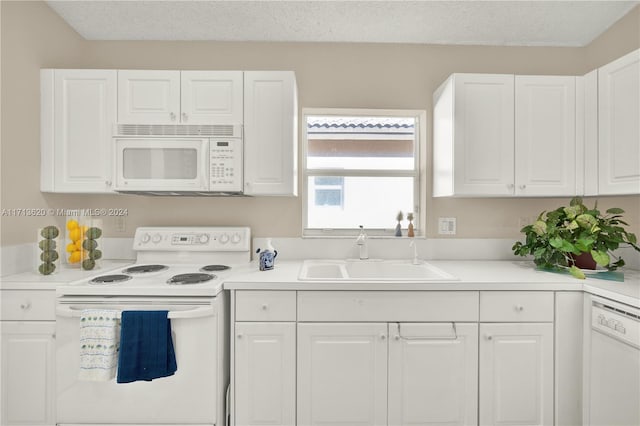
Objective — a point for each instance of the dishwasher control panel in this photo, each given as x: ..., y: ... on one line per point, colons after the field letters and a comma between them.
x: 617, y: 321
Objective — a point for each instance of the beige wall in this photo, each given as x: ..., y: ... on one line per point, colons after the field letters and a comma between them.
x: 328, y: 74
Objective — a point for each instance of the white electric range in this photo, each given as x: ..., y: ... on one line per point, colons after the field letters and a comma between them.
x: 180, y: 270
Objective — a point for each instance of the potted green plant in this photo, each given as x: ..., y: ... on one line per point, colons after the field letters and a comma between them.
x: 556, y: 238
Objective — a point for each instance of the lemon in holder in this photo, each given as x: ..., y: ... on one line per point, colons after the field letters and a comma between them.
x: 83, y: 242
x: 48, y: 258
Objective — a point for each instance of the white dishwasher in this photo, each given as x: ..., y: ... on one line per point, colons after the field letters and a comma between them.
x: 614, y: 364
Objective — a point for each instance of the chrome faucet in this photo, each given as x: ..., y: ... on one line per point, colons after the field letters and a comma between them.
x: 361, y: 241
x: 413, y: 244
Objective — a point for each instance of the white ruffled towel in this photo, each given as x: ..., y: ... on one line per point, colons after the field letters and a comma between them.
x: 99, y: 344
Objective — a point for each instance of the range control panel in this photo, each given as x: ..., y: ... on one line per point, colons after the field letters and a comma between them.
x: 192, y: 239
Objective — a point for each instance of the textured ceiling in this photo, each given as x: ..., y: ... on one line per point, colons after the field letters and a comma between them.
x: 513, y: 23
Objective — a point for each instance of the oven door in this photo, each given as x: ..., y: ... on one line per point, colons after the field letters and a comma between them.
x: 187, y: 397
x: 157, y: 164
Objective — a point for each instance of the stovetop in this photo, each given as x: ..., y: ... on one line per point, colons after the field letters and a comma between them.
x: 172, y: 261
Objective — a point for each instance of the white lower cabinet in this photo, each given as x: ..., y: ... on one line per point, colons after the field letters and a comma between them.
x: 491, y: 363
x: 28, y: 373
x: 265, y: 373
x: 342, y: 374
x: 433, y: 374
x: 516, y: 374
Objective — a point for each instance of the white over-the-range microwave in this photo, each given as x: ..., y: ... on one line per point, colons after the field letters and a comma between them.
x: 179, y: 159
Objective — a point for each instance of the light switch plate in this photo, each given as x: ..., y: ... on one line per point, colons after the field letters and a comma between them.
x: 447, y: 225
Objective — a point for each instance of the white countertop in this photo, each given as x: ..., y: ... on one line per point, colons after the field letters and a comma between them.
x: 473, y: 275
x: 65, y: 274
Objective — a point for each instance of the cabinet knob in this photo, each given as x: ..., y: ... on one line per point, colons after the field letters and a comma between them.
x: 522, y: 186
x: 488, y: 337
x: 184, y: 116
x: 265, y: 307
x: 383, y: 336
x: 510, y: 186
x: 239, y: 336
x: 519, y: 308
x: 397, y: 337
x: 25, y: 305
x: 107, y: 182
x: 172, y: 116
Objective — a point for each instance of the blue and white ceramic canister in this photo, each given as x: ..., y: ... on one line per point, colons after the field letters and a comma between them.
x: 267, y: 257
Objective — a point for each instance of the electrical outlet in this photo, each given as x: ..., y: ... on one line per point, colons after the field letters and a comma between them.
x: 121, y: 224
x: 447, y: 225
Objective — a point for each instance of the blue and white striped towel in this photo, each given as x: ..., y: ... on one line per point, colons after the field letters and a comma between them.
x: 99, y: 344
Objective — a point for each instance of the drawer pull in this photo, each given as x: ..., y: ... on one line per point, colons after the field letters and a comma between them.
x: 519, y: 308
x: 453, y: 336
x: 239, y: 336
x: 488, y: 337
x: 26, y: 305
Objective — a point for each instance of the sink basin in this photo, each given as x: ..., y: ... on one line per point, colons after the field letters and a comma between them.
x: 371, y: 270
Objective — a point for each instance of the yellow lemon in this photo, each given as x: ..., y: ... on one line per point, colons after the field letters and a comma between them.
x: 72, y: 224
x: 78, y: 245
x: 75, y: 257
x: 75, y: 234
x: 71, y: 247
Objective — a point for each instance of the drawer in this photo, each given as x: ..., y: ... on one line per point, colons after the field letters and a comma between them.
x: 516, y: 306
x: 265, y: 305
x: 28, y: 305
x: 388, y: 306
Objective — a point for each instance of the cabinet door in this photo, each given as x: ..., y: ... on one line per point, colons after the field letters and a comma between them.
x: 342, y: 374
x: 619, y: 126
x: 433, y: 374
x: 148, y: 97
x: 78, y: 118
x: 483, y: 134
x: 516, y: 374
x: 265, y: 373
x: 270, y: 133
x: 211, y: 97
x: 545, y: 135
x: 28, y: 373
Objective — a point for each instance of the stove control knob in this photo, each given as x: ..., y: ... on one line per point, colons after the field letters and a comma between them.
x: 156, y: 238
x: 224, y: 239
x: 235, y: 239
x: 145, y: 238
x: 203, y: 239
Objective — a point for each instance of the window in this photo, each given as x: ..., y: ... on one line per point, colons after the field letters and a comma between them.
x: 360, y: 168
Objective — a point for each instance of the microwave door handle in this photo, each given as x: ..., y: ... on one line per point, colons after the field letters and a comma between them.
x: 199, y: 312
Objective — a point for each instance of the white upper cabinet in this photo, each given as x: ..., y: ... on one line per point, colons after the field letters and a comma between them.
x: 473, y: 135
x: 148, y: 97
x: 619, y: 126
x: 545, y: 135
x: 211, y: 97
x: 179, y: 97
x: 270, y: 133
x: 78, y: 109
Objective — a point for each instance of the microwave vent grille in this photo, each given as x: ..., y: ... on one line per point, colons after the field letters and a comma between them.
x: 206, y: 130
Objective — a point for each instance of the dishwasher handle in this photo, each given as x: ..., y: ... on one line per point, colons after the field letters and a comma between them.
x: 199, y: 312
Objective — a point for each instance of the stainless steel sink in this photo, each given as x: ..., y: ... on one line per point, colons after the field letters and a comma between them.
x: 371, y: 270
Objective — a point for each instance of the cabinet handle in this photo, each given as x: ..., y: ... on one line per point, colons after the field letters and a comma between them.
x: 107, y: 182
x: 172, y: 115
x: 265, y: 307
x: 53, y: 336
x: 510, y: 186
x: 383, y: 336
x: 488, y: 337
x: 184, y: 117
x: 239, y: 336
x: 25, y: 305
x: 522, y: 186
x: 397, y: 337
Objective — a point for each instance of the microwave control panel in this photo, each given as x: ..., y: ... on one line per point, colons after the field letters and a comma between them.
x: 225, y: 162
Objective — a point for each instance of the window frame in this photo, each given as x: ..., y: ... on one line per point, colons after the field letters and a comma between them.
x: 417, y: 173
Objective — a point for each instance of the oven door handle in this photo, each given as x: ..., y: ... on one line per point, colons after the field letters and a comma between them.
x: 200, y: 312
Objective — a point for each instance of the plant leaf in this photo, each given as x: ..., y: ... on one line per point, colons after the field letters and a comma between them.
x: 601, y: 257
x: 539, y: 227
x: 586, y: 221
x: 615, y: 210
x: 573, y: 211
x: 576, y: 272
